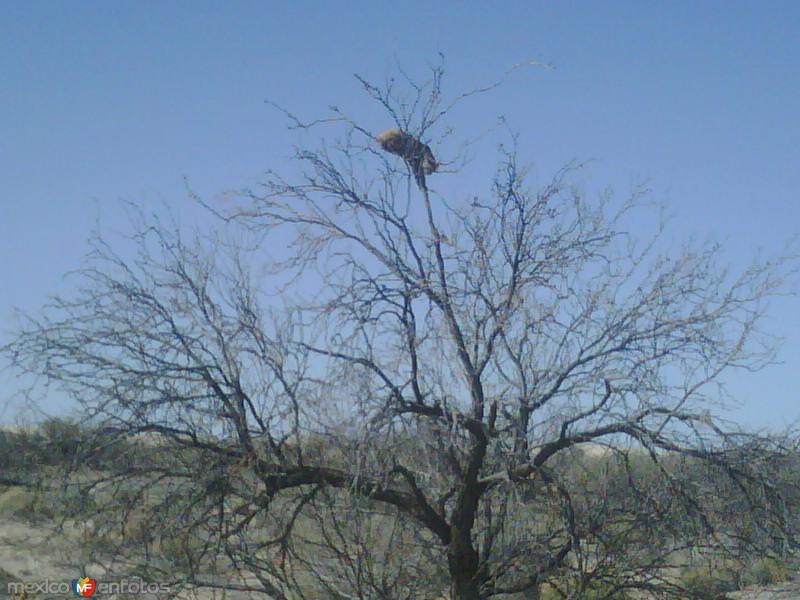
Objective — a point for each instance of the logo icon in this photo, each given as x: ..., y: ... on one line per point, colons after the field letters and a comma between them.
x: 84, y: 587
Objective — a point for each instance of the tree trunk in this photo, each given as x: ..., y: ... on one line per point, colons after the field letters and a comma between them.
x: 462, y: 559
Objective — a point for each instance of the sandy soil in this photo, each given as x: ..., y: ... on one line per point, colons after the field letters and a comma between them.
x: 31, y: 554
x: 35, y: 554
x: 783, y: 592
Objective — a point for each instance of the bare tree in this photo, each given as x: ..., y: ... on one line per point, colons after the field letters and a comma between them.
x: 490, y: 397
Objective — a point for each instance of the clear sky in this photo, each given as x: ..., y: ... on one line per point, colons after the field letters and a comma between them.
x: 102, y: 101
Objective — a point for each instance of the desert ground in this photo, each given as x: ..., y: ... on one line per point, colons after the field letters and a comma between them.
x: 35, y: 553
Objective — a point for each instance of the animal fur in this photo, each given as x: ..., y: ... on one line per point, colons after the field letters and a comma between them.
x: 419, y: 156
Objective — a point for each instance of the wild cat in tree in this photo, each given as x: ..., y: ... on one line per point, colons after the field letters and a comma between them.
x: 417, y: 154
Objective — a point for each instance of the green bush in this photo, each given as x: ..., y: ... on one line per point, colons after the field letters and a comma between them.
x: 18, y: 501
x: 62, y: 440
x: 596, y: 591
x: 766, y: 571
x: 19, y: 455
x: 705, y: 583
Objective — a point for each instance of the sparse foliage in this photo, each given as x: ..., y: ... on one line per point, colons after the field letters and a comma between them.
x: 495, y: 398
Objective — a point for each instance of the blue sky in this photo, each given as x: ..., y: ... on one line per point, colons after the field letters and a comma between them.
x: 107, y: 101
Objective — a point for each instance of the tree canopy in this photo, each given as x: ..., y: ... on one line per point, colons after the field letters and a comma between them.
x: 504, y: 395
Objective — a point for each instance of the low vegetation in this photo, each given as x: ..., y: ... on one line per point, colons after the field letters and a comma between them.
x: 116, y: 527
